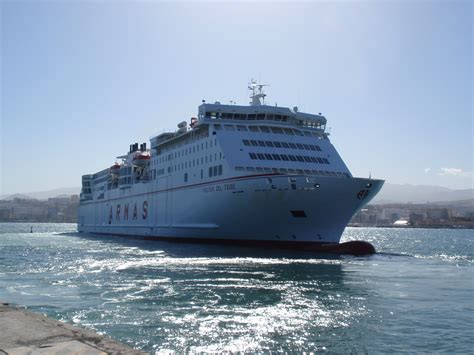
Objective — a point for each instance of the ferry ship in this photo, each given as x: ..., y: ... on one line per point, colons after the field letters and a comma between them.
x: 256, y: 173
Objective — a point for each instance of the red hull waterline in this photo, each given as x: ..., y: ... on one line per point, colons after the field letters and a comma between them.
x: 354, y: 247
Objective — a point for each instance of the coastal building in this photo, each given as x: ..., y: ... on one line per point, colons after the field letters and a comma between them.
x: 438, y: 214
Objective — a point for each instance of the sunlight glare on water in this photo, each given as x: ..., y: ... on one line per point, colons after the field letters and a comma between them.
x: 416, y: 294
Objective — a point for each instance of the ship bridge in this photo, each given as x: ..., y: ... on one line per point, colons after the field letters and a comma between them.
x: 216, y: 111
x: 259, y: 111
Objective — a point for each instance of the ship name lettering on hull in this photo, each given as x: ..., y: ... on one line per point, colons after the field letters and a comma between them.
x: 219, y: 188
x: 126, y: 206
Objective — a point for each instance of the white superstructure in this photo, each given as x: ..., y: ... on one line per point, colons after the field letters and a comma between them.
x: 254, y: 173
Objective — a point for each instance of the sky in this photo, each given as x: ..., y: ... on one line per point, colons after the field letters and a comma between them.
x: 82, y: 80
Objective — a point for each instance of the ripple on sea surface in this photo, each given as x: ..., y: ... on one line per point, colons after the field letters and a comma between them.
x: 416, y: 295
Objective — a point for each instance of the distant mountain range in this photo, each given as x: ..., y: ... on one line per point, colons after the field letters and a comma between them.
x: 390, y: 193
x: 44, y: 195
x: 395, y: 193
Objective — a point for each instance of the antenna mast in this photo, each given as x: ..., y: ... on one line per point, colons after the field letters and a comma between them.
x: 257, y: 93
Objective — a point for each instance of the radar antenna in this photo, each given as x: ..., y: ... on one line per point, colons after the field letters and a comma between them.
x: 257, y: 93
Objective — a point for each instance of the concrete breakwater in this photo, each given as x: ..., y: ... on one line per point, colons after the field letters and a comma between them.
x: 26, y: 332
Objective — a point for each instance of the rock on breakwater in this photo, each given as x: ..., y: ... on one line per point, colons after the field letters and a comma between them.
x: 26, y: 332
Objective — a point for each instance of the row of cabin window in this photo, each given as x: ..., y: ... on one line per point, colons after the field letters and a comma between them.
x: 293, y: 171
x: 213, y: 171
x: 313, y: 147
x: 185, y: 151
x: 263, y: 116
x: 288, y: 157
x: 191, y: 164
x: 245, y: 116
x: 266, y: 129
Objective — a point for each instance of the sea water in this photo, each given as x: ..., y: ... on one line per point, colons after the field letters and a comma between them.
x: 415, y: 295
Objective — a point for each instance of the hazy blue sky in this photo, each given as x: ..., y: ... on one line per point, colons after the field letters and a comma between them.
x: 81, y: 80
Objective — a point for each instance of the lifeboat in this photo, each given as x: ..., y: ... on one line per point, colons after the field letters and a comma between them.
x: 115, y: 169
x: 141, y: 159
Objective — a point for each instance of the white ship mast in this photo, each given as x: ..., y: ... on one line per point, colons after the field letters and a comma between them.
x: 257, y: 93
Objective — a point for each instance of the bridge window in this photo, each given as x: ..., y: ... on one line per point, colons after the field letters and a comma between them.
x: 212, y: 115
